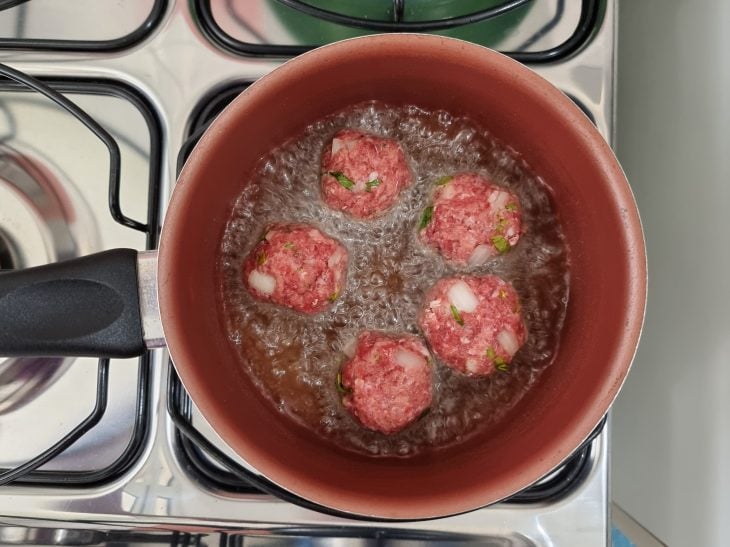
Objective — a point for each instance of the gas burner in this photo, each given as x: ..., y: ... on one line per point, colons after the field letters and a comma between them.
x: 42, y: 221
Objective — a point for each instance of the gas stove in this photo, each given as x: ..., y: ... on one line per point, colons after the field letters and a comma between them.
x: 94, y: 452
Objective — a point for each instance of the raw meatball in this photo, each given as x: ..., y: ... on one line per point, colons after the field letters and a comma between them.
x: 473, y: 324
x: 297, y: 266
x: 388, y: 382
x: 362, y: 174
x: 471, y: 219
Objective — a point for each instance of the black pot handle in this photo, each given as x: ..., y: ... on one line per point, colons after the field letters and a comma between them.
x: 87, y: 306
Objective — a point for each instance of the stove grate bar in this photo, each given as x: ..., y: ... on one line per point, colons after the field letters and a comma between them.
x: 102, y: 392
x: 155, y: 16
x: 112, y: 146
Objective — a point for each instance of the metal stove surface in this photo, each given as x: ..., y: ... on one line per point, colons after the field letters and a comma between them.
x: 175, y: 68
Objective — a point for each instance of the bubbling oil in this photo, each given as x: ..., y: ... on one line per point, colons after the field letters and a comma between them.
x: 294, y: 358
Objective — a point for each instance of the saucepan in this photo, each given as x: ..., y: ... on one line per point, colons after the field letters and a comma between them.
x: 91, y: 306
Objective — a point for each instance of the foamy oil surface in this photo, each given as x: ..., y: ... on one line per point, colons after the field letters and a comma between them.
x: 294, y: 358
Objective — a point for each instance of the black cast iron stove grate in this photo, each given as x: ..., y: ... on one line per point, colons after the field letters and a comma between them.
x: 150, y: 23
x: 586, y: 25
x: 53, y: 89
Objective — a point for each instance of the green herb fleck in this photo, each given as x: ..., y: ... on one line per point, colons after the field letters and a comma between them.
x: 443, y: 181
x: 289, y: 245
x: 501, y: 244
x: 262, y: 258
x: 369, y: 185
x: 426, y: 217
x: 498, y: 362
x: 456, y: 315
x: 343, y: 180
x: 512, y: 206
x: 333, y: 296
x: 340, y: 386
x: 501, y: 225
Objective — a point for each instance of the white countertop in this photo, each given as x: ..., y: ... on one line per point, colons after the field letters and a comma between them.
x: 671, y: 423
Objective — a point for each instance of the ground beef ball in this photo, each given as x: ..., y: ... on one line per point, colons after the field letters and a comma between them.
x: 388, y: 382
x: 362, y: 174
x: 473, y: 324
x: 297, y: 266
x: 471, y: 219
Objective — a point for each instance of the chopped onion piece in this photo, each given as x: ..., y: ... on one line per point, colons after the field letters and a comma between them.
x: 350, y: 347
x: 508, y: 341
x: 264, y: 283
x: 335, y: 259
x: 408, y: 360
x: 472, y: 365
x: 337, y: 145
x: 500, y: 200
x: 447, y: 192
x: 462, y: 297
x: 480, y: 255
